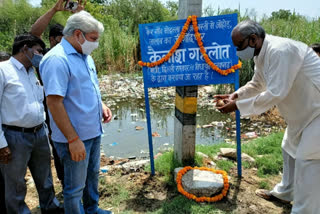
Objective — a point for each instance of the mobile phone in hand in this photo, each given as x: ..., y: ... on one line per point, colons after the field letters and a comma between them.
x: 71, y: 5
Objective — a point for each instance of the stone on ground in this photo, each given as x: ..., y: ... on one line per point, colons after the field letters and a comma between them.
x: 201, y: 183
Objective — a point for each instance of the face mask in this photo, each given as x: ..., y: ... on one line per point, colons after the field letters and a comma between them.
x: 247, y: 53
x: 87, y: 47
x: 35, y: 61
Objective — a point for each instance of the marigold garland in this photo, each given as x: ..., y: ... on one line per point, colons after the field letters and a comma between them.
x: 203, y: 199
x: 200, y: 44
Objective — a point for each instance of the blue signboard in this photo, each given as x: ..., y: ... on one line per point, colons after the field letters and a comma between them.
x: 187, y: 66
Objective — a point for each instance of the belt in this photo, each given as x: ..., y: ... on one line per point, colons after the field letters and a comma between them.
x: 22, y: 129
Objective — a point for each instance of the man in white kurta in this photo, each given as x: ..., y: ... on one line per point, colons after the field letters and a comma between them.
x: 287, y: 74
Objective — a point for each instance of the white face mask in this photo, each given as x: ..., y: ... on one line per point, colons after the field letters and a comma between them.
x: 247, y: 53
x: 87, y: 47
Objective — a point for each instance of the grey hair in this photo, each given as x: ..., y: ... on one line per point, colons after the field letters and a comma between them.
x: 82, y: 21
x: 248, y: 27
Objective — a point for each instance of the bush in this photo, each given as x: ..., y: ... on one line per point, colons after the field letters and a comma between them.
x: 119, y: 45
x: 116, y: 49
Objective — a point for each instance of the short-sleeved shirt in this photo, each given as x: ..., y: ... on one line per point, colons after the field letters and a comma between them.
x: 21, y: 97
x: 72, y: 75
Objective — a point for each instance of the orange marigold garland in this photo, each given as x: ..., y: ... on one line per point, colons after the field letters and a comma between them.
x: 200, y: 44
x: 172, y: 50
x: 203, y: 199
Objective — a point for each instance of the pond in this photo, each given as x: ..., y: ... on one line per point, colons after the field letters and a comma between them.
x: 122, y: 140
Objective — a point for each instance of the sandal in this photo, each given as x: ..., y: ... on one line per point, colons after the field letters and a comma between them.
x: 266, y: 194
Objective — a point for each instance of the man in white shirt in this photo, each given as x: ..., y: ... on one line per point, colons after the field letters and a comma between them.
x: 287, y: 74
x: 3, y: 57
x: 23, y: 139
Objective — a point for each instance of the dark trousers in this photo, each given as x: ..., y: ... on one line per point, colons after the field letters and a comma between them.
x: 2, y: 202
x: 29, y: 150
x: 57, y: 163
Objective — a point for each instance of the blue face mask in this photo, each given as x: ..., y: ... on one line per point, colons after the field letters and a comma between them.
x: 35, y: 61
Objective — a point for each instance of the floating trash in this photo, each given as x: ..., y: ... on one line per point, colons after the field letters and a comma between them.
x: 155, y: 134
x: 207, y: 126
x: 138, y: 128
x: 218, y: 124
x: 113, y: 144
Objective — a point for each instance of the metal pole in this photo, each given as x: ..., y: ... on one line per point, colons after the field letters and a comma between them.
x: 239, y: 163
x: 146, y: 94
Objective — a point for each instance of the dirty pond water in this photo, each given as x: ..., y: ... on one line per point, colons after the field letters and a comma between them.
x: 127, y: 134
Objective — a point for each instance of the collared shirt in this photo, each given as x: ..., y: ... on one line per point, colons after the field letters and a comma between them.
x: 72, y: 75
x: 287, y: 74
x: 21, y: 97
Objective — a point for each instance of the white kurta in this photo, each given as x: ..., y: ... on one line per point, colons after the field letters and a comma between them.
x: 287, y: 74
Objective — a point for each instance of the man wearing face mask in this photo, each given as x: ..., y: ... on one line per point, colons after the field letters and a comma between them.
x: 55, y: 36
x: 76, y: 110
x: 23, y: 140
x: 287, y: 74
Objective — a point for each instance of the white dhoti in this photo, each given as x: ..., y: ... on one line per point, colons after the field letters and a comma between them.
x: 284, y: 189
x: 301, y: 176
x: 306, y: 187
x: 301, y: 179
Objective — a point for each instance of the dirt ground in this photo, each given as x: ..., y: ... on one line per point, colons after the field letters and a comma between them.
x: 147, y: 193
x: 241, y: 198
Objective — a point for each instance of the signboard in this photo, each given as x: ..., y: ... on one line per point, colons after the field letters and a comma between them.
x: 187, y: 66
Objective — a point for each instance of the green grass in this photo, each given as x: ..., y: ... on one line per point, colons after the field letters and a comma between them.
x: 182, y: 205
x: 265, y: 150
x: 113, y: 194
x: 267, y: 153
x: 225, y: 165
x: 264, y: 185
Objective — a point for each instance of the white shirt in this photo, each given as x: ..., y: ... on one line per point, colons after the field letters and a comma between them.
x: 21, y: 97
x: 287, y: 74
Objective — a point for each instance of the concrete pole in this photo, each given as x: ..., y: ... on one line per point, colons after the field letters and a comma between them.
x: 186, y: 102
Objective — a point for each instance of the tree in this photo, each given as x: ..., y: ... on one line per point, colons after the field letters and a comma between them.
x: 173, y: 7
